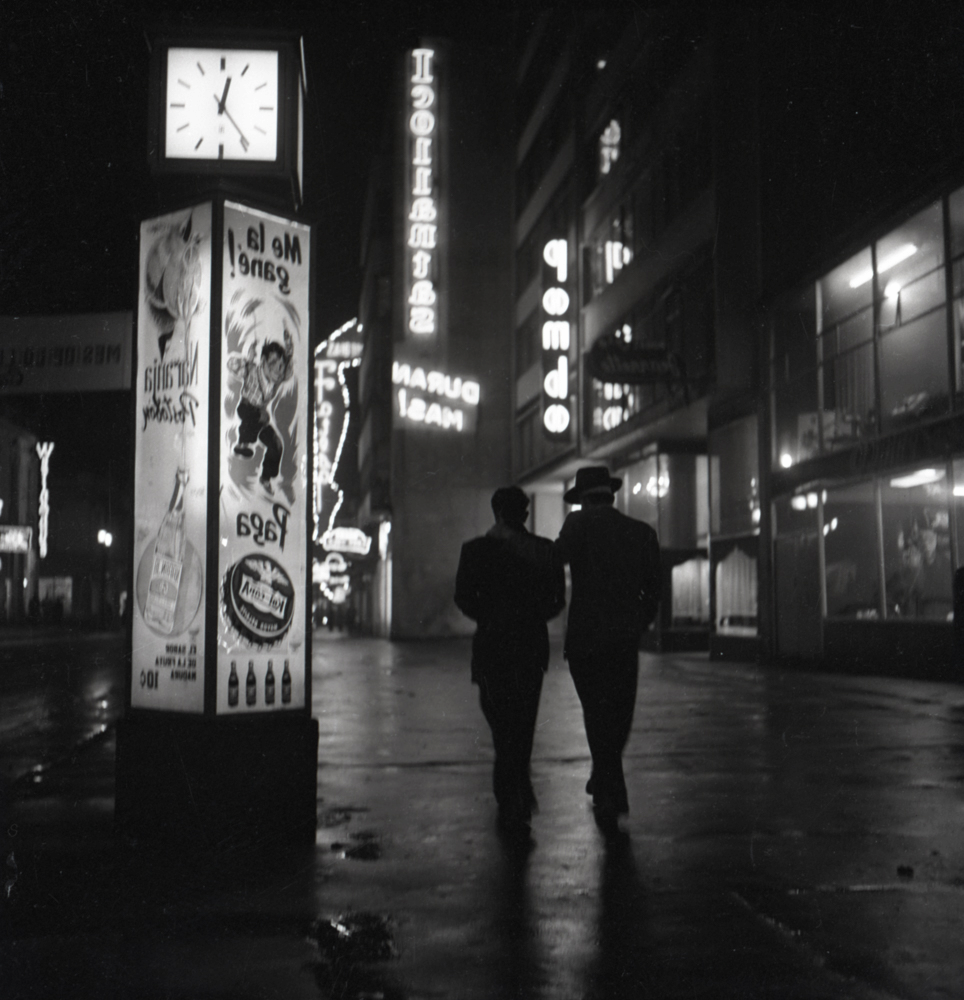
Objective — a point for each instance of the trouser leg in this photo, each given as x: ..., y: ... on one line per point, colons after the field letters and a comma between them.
x: 606, y: 684
x: 511, y: 709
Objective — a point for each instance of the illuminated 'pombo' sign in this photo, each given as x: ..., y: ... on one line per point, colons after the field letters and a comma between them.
x: 434, y: 399
x: 556, y: 415
x: 421, y: 202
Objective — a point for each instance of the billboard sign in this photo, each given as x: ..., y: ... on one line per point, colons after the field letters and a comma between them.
x: 264, y: 438
x: 171, y: 460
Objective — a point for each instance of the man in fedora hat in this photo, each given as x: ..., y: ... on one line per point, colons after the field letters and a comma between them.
x: 510, y: 584
x: 614, y: 562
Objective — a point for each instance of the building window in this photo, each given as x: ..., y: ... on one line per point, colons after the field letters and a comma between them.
x: 609, y: 145
x: 864, y: 350
x: 851, y: 552
x: 612, y: 247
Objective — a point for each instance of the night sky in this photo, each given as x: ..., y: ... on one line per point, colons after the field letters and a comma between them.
x: 74, y: 175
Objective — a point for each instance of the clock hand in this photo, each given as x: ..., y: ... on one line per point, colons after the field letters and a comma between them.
x: 224, y: 97
x: 244, y: 141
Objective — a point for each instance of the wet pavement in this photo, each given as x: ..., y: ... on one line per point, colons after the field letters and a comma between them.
x: 791, y: 835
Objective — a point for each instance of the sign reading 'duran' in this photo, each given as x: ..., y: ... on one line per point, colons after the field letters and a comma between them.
x: 422, y: 210
x: 434, y: 399
x: 556, y: 415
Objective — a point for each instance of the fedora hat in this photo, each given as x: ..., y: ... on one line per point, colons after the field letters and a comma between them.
x: 592, y: 479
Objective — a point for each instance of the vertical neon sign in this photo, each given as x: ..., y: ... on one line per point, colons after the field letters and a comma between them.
x: 44, y: 451
x: 422, y: 229
x: 556, y: 415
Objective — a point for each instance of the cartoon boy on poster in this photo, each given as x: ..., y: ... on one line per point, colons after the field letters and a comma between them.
x: 261, y: 378
x: 263, y: 370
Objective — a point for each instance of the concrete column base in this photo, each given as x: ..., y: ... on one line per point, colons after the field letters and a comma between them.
x: 211, y: 782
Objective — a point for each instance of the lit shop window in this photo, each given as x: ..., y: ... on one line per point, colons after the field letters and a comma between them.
x: 613, y: 404
x: 609, y: 143
x: 915, y: 518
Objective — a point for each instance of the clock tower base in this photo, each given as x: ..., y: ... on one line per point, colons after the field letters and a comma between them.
x: 203, y: 783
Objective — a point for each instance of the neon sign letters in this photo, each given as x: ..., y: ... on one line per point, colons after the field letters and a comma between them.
x: 44, y: 451
x: 556, y: 415
x: 453, y: 407
x: 422, y: 201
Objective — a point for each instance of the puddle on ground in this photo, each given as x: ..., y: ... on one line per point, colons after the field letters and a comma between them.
x: 365, y: 847
x: 339, y: 816
x: 345, y: 944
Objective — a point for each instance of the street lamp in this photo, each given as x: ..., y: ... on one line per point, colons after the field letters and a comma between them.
x: 104, y: 538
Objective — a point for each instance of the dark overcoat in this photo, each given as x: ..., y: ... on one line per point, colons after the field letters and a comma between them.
x: 615, y: 566
x: 510, y: 584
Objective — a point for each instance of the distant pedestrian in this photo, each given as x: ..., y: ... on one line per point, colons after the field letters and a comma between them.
x: 614, y: 562
x: 510, y: 584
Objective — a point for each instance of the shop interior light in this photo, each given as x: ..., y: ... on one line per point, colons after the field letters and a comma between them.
x: 919, y: 478
x: 637, y: 488
x: 786, y: 460
x: 959, y: 491
x: 884, y: 264
x: 798, y: 502
x: 811, y: 500
x: 892, y: 290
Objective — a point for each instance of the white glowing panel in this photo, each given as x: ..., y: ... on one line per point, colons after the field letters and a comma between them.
x: 44, y: 451
x: 264, y: 435
x: 171, y: 461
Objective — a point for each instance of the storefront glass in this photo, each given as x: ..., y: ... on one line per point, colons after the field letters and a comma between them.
x: 880, y: 354
x: 851, y: 551
x: 915, y: 518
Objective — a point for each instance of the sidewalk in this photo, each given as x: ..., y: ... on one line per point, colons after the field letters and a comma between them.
x: 791, y: 835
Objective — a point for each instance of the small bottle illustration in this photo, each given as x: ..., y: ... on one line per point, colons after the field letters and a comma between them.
x: 233, y: 686
x: 269, y: 685
x: 286, y: 685
x: 168, y: 562
x: 250, y: 685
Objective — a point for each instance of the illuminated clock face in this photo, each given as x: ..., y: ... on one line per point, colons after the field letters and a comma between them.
x: 221, y: 104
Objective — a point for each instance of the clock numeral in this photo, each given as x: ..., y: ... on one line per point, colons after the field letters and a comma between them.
x: 258, y: 128
x: 183, y: 83
x: 222, y: 64
x: 173, y: 105
x: 266, y: 107
x: 184, y: 126
x: 221, y: 151
x: 198, y: 144
x: 201, y: 68
x: 262, y: 85
x: 245, y: 70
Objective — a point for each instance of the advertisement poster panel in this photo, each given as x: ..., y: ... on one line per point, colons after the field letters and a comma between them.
x: 171, y: 461
x: 264, y: 463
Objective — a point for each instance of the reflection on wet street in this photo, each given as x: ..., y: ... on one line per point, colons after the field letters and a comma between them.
x: 790, y: 834
x: 56, y: 693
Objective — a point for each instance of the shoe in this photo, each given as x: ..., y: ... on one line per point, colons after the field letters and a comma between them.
x: 243, y: 450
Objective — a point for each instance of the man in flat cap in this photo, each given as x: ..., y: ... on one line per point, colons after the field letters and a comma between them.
x: 510, y: 584
x: 614, y: 562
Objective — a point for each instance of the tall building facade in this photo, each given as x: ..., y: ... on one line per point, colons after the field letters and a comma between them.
x: 635, y: 344
x: 736, y: 284
x: 435, y: 310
